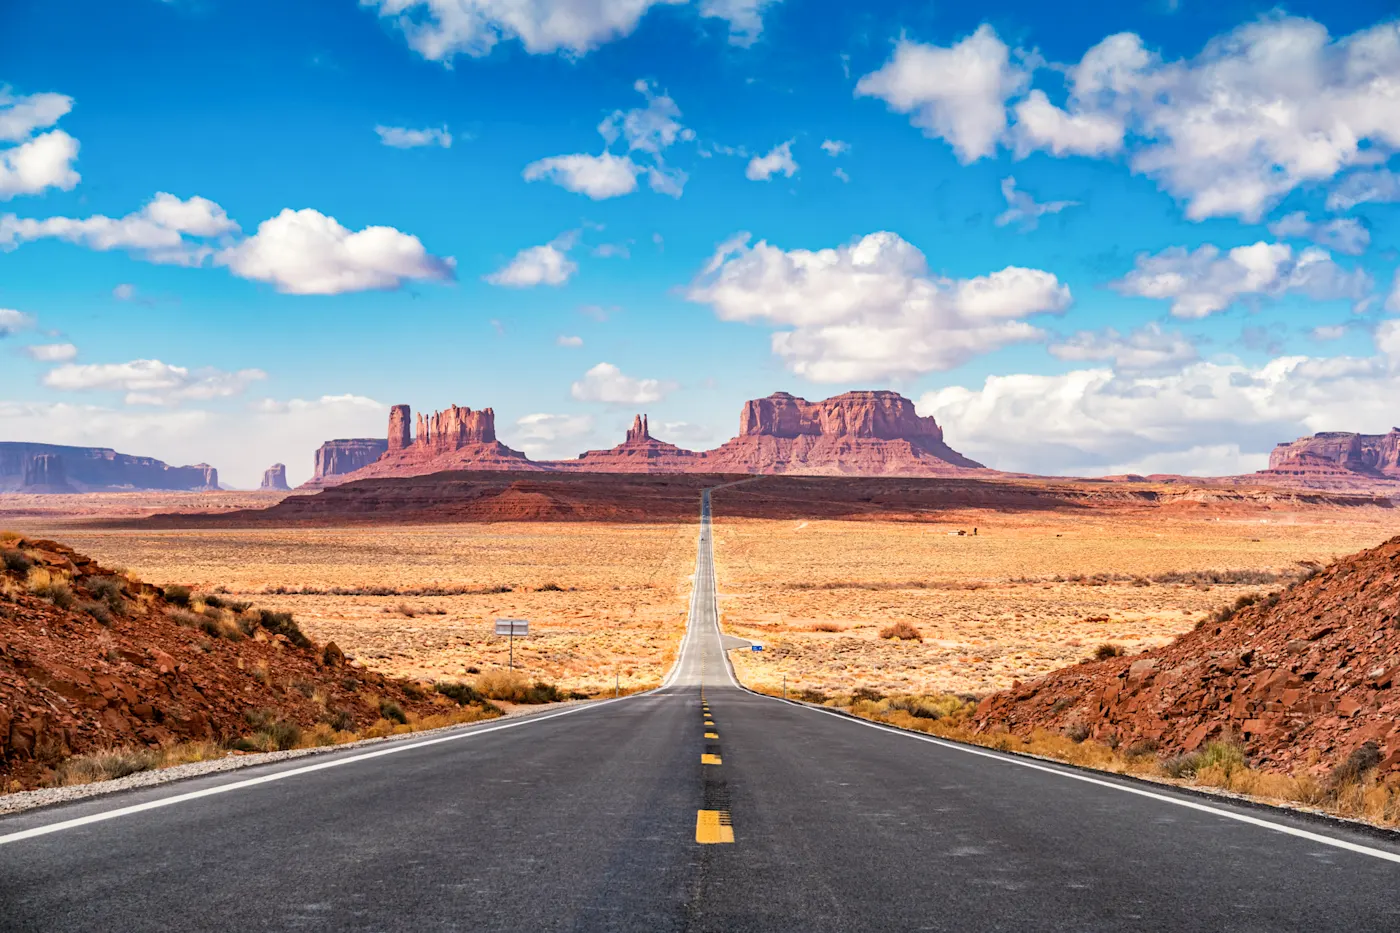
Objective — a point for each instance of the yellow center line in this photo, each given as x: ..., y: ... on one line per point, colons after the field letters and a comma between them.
x: 706, y: 759
x: 713, y: 826
x: 711, y: 735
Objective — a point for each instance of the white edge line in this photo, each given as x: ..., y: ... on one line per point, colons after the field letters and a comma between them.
x: 293, y: 772
x: 1112, y: 785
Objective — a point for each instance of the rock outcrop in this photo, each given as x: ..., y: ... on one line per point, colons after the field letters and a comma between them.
x: 275, y: 478
x: 639, y: 453
x: 1375, y: 455
x: 337, y: 459
x: 864, y: 433
x: 1310, y: 676
x: 57, y: 468
x: 453, y: 439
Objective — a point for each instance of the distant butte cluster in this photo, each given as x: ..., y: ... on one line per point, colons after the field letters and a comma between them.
x: 55, y: 468
x: 857, y: 433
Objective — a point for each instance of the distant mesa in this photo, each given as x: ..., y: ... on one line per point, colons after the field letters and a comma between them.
x: 55, y: 468
x: 1372, y: 455
x: 858, y: 433
x: 275, y: 478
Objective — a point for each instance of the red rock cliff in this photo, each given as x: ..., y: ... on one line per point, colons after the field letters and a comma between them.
x: 99, y: 469
x: 639, y: 453
x: 1370, y: 454
x: 337, y: 458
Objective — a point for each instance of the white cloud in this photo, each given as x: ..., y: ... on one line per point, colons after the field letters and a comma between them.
x: 12, y: 322
x: 124, y: 292
x: 745, y: 17
x: 1203, y: 282
x: 598, y: 177
x: 307, y: 253
x: 539, y: 265
x: 43, y: 162
x: 1266, y: 108
x: 1344, y: 234
x: 778, y: 159
x: 549, y: 437
x: 20, y: 116
x: 1392, y: 303
x: 241, y: 442
x: 683, y: 432
x: 1381, y: 185
x: 157, y: 233
x: 841, y: 174
x: 871, y: 310
x: 1210, y: 417
x: 401, y: 137
x: 835, y: 147
x: 439, y: 30
x: 1021, y: 207
x: 568, y: 340
x: 52, y: 352
x: 1144, y: 350
x: 958, y: 93
x: 606, y: 383
x: 1329, y: 332
x: 151, y: 382
x: 648, y: 130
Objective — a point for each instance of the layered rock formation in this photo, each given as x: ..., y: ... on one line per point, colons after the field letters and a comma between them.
x: 1371, y: 454
x: 864, y: 433
x: 337, y: 459
x: 58, y: 468
x: 639, y: 453
x: 275, y: 478
x: 453, y: 439
x: 1308, y: 677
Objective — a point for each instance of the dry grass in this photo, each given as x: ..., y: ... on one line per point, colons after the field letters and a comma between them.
x: 604, y: 602
x: 1029, y: 594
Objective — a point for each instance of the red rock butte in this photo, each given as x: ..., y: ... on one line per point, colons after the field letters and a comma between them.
x: 639, y: 453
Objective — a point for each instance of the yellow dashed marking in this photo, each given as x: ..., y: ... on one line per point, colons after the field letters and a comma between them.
x: 709, y: 722
x: 713, y: 826
x: 710, y: 760
x: 711, y: 735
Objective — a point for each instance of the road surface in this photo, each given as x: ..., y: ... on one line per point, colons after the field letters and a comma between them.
x: 590, y: 818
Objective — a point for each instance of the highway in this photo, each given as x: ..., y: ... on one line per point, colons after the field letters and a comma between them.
x: 698, y: 806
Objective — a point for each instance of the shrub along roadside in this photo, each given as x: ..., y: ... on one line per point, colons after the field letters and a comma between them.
x: 1351, y: 790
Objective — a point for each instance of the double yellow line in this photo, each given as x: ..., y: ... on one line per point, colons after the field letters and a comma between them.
x: 711, y: 826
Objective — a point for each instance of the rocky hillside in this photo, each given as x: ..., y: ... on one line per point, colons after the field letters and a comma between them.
x: 1302, y: 678
x: 92, y: 660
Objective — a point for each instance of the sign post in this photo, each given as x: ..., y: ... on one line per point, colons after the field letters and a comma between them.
x: 512, y: 627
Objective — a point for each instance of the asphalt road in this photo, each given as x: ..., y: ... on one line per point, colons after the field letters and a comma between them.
x: 588, y: 819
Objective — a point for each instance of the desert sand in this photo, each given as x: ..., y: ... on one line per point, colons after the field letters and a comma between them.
x: 1018, y: 600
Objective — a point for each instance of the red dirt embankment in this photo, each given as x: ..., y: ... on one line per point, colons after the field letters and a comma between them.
x: 91, y: 660
x: 1302, y: 679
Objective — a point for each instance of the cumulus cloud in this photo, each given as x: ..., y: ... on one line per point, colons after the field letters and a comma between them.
x: 545, y: 436
x: 599, y: 177
x: 307, y: 253
x: 240, y: 442
x: 1144, y: 350
x: 21, y: 115
x: 648, y: 131
x: 1381, y: 185
x: 1202, y: 282
x: 1209, y: 417
x: 835, y: 147
x: 43, y: 162
x: 401, y: 137
x: 1328, y: 332
x: 440, y: 30
x: 51, y: 352
x: 539, y: 265
x: 124, y: 292
x: 778, y: 159
x: 1023, y: 209
x: 12, y: 322
x: 1343, y: 234
x: 956, y: 93
x: 166, y: 230
x: 151, y: 382
x: 606, y: 383
x: 1272, y: 105
x: 569, y: 340
x: 870, y: 309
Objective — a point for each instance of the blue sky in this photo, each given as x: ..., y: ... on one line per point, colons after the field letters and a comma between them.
x: 1144, y: 236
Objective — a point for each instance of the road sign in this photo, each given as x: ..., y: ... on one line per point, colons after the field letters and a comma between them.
x: 756, y: 647
x: 512, y: 627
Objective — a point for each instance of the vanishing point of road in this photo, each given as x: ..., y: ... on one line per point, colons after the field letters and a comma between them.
x: 698, y: 806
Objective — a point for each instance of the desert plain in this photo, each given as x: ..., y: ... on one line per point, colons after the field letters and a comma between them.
x: 1029, y: 592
